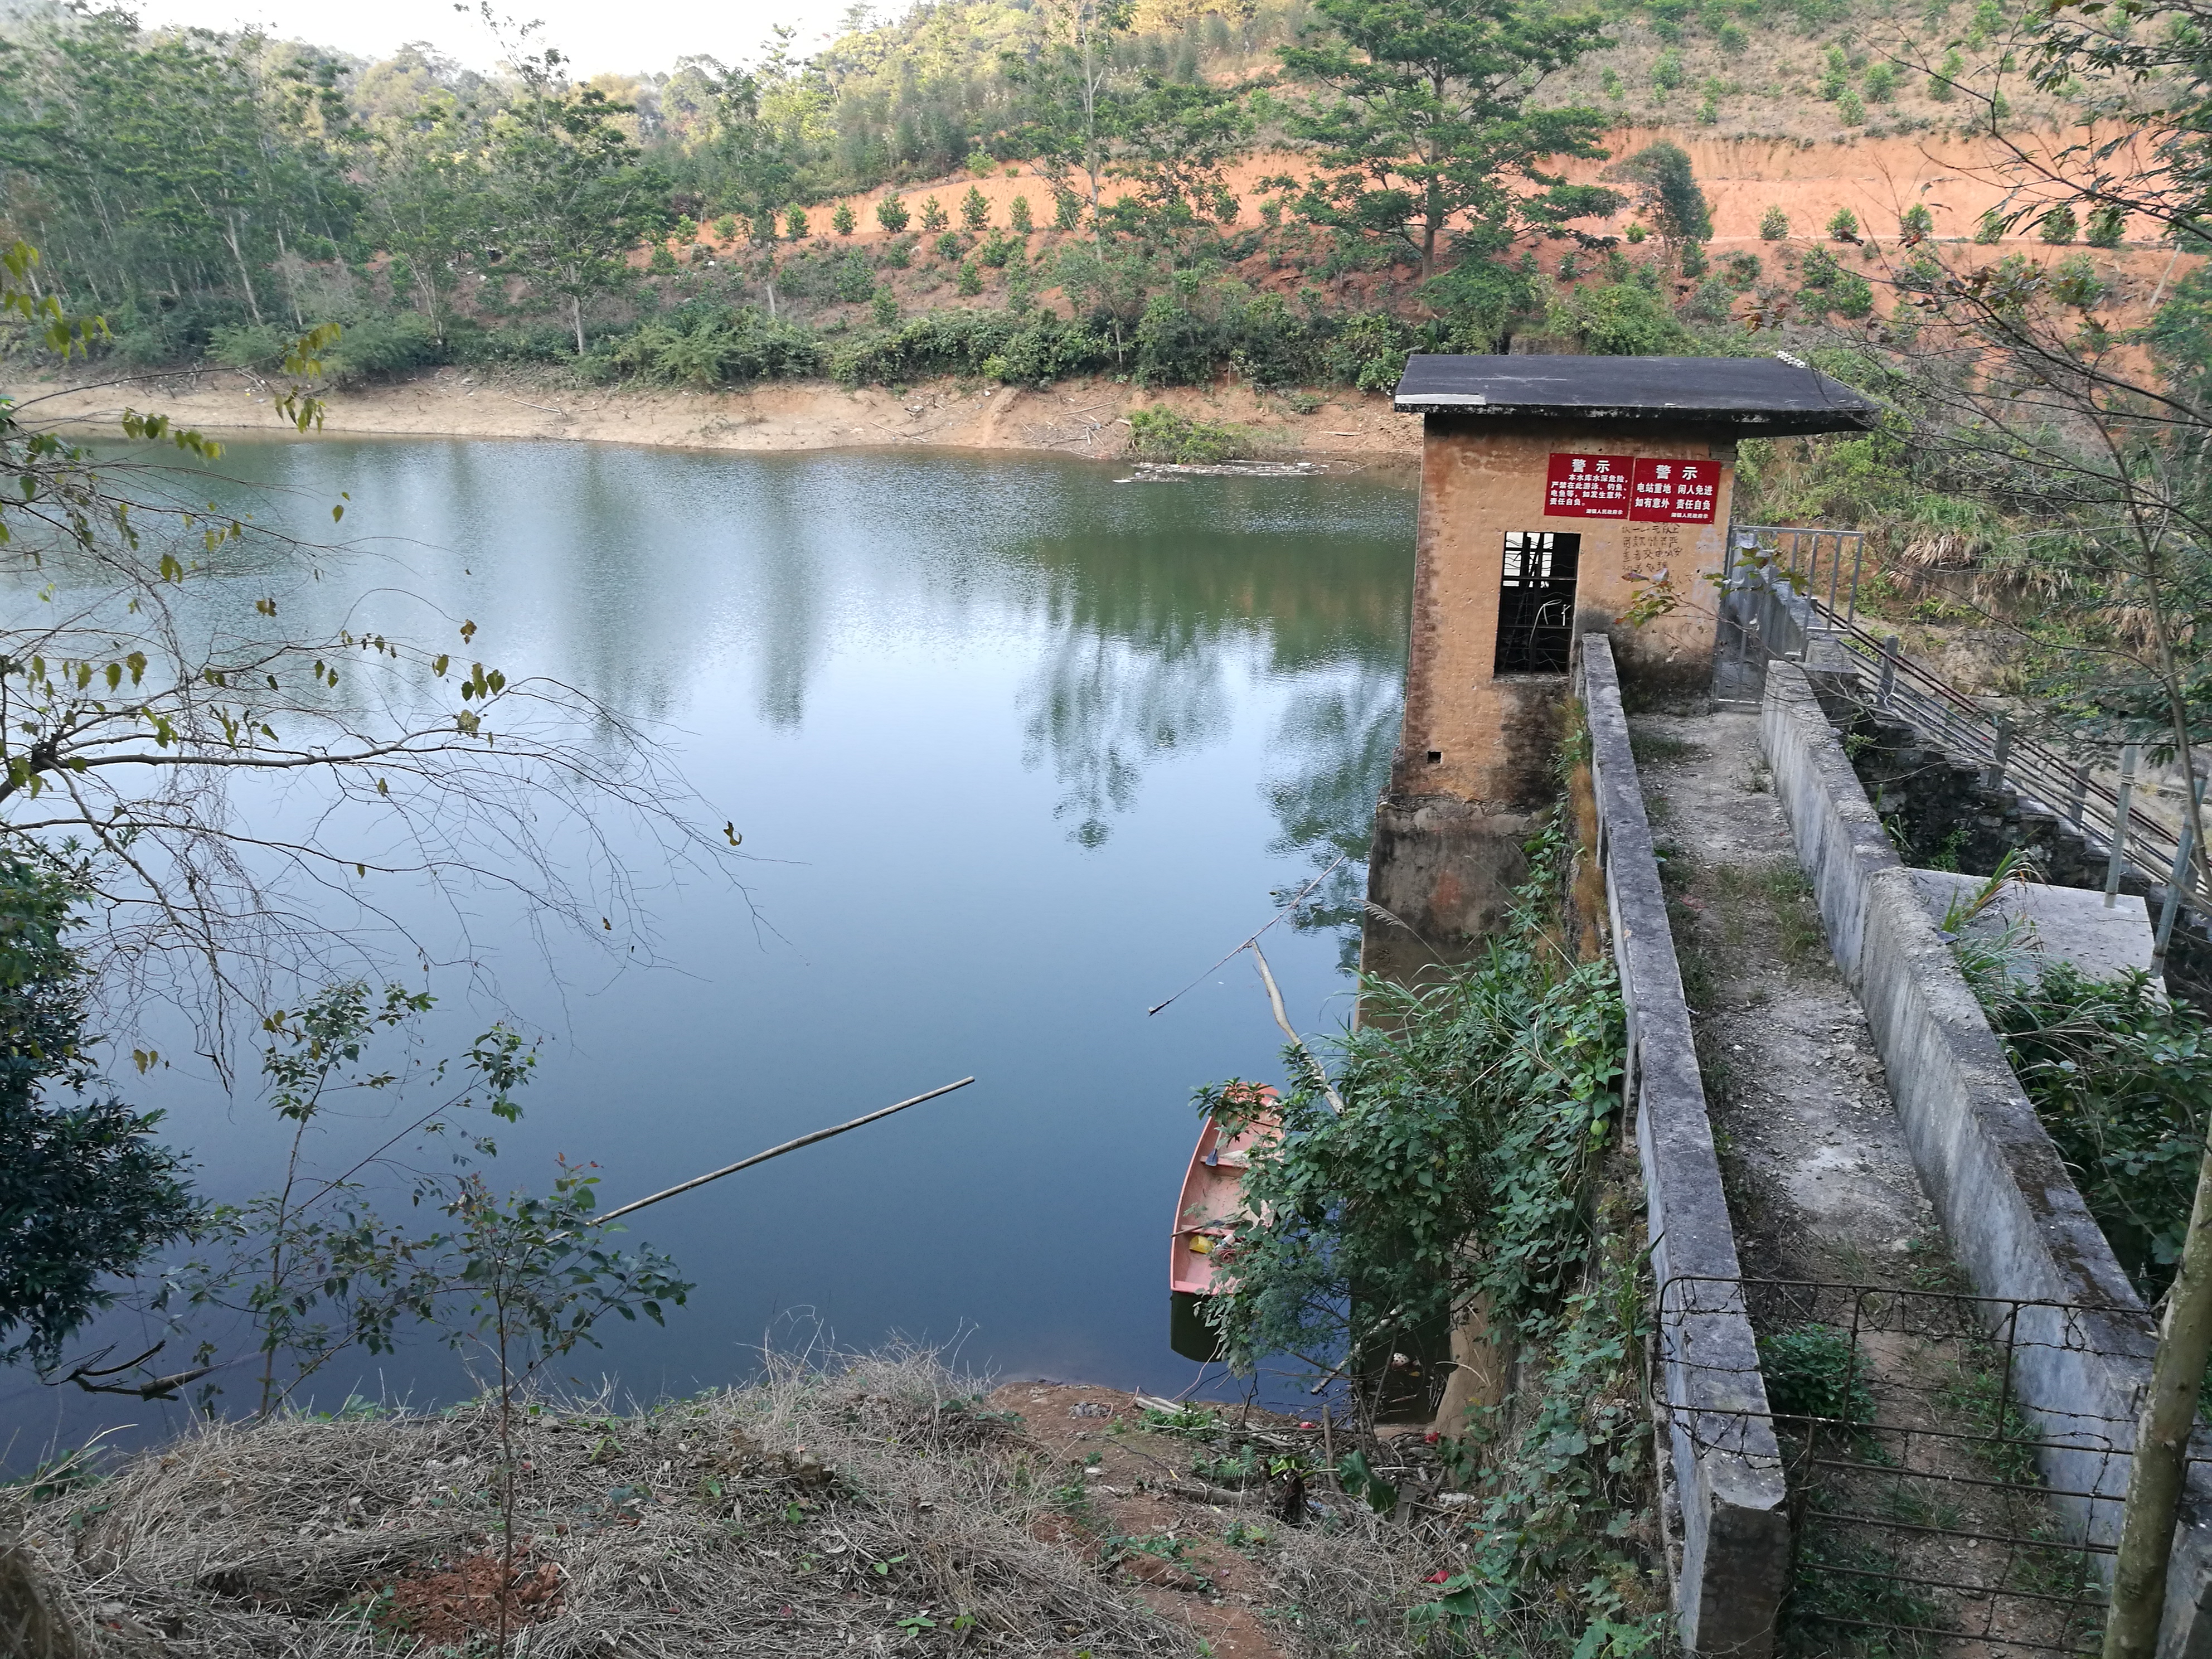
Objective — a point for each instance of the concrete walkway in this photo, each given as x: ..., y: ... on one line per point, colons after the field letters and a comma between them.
x: 1818, y: 1176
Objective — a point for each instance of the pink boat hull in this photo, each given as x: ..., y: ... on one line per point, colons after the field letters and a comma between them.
x: 1212, y: 1198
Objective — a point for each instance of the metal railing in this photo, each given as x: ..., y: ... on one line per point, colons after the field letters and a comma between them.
x: 1951, y: 1478
x: 1781, y: 571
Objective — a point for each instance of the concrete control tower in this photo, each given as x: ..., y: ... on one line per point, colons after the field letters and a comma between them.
x: 1553, y: 491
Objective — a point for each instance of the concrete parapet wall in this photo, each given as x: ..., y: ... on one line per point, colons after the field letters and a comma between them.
x: 2017, y: 1223
x: 1727, y: 1473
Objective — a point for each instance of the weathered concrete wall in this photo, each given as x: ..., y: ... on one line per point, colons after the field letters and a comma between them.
x: 1727, y: 1474
x: 2016, y: 1221
x: 1446, y: 869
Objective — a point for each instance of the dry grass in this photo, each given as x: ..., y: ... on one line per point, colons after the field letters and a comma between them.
x: 816, y: 1512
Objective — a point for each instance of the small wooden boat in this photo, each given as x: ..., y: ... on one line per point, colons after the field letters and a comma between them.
x: 1212, y: 1198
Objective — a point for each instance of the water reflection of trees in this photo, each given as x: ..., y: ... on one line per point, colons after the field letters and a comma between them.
x: 1337, y: 741
x: 1142, y: 624
x: 1100, y: 708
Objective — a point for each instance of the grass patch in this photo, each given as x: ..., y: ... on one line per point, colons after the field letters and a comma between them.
x: 1158, y: 433
x: 1839, y: 1588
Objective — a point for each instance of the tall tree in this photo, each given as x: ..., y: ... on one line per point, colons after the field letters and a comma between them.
x: 427, y: 201
x: 1068, y: 114
x: 1666, y: 193
x: 1174, y: 140
x: 571, y: 194
x: 1424, y: 122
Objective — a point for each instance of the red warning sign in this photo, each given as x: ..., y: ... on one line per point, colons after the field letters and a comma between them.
x: 1674, y: 492
x: 1588, y: 487
x: 1641, y: 488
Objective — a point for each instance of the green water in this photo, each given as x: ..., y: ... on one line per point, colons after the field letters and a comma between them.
x: 1017, y: 751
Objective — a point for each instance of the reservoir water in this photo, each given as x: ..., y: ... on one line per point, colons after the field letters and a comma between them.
x: 1017, y: 751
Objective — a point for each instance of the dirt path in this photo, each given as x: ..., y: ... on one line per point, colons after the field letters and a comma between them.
x: 1072, y: 417
x: 1139, y: 1498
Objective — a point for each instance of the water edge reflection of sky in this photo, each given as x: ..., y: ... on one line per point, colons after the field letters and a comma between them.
x: 1017, y: 751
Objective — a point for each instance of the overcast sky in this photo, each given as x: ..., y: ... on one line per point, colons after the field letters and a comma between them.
x: 627, y: 38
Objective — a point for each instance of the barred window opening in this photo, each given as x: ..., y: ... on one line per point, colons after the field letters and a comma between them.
x: 1536, y: 602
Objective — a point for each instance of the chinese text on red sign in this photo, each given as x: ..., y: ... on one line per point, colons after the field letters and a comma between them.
x: 1643, y: 489
x: 1588, y: 487
x: 1674, y: 492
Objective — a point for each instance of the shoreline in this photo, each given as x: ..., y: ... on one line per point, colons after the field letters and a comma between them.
x: 1086, y: 418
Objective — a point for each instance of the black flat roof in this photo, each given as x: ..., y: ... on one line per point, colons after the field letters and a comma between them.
x: 1766, y: 396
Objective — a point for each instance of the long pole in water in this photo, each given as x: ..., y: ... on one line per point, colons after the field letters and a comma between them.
x: 778, y: 1152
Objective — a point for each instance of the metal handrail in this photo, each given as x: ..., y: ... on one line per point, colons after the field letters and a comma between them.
x: 1958, y: 721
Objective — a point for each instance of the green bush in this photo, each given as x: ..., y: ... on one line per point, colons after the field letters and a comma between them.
x: 368, y: 344
x: 898, y: 253
x: 1916, y: 221
x: 2075, y: 282
x: 1810, y: 1370
x: 1047, y: 349
x: 950, y: 247
x: 891, y: 214
x: 1474, y: 1112
x: 2122, y: 1079
x: 1991, y: 228
x: 1773, y: 225
x: 1713, y: 302
x: 1667, y: 72
x: 1694, y: 259
x: 1019, y: 217
x: 708, y: 345
x: 1067, y: 208
x: 1159, y: 434
x: 794, y: 222
x: 1368, y: 350
x: 1611, y: 83
x: 249, y: 345
x: 1844, y: 227
x: 1621, y: 319
x: 976, y: 210
x: 1881, y: 84
x: 726, y: 228
x: 2059, y: 226
x: 842, y: 220
x: 932, y: 215
x: 969, y: 280
x: 1850, y: 295
x: 1731, y: 39
x: 2107, y: 224
x: 382, y: 343
x: 883, y: 308
x: 1943, y: 84
x: 1850, y: 111
x: 997, y: 249
x: 517, y: 342
x: 1743, y: 269
x: 1827, y: 287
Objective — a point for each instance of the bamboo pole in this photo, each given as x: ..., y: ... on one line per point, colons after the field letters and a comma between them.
x: 778, y: 1152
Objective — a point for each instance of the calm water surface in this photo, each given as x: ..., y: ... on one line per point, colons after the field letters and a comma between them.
x: 1017, y: 751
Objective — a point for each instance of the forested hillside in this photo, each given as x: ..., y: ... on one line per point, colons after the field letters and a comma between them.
x: 1293, y: 195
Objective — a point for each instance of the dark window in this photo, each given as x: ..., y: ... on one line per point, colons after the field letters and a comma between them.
x: 1536, y: 602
